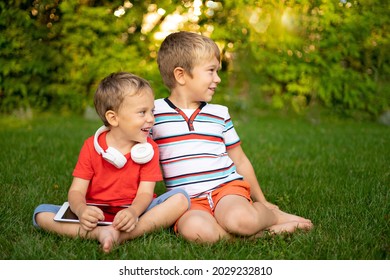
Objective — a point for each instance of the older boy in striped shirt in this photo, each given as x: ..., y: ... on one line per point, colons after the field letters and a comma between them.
x: 200, y: 150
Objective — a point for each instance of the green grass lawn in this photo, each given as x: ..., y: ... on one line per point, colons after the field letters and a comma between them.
x: 333, y: 172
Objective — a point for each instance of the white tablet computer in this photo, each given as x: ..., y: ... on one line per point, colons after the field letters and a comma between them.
x: 66, y: 215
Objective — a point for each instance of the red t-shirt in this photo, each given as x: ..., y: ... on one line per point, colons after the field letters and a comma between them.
x: 108, y: 184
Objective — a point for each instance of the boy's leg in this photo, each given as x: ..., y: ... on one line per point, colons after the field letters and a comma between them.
x: 287, y: 222
x: 106, y: 235
x: 163, y: 212
x: 235, y: 211
x: 237, y: 215
x: 200, y: 226
x: 43, y: 218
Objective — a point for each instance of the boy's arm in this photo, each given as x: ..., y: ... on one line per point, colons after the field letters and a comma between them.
x: 88, y: 215
x: 244, y: 167
x: 143, y: 197
x: 126, y: 219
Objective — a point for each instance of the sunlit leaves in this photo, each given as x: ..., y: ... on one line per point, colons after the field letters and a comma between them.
x: 275, y: 53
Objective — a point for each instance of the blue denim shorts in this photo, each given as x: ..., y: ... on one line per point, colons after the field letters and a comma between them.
x: 158, y: 200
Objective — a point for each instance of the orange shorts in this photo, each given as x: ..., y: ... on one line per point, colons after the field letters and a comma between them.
x: 209, y: 202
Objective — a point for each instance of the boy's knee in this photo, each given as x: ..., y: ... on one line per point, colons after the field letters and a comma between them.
x: 182, y: 198
x: 43, y: 218
x: 201, y: 234
x: 44, y: 212
x: 197, y: 230
x: 242, y: 223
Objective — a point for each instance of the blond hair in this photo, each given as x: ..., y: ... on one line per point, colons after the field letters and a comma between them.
x: 186, y: 50
x: 114, y: 88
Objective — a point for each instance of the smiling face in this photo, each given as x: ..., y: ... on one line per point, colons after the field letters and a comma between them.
x: 183, y: 50
x: 201, y: 83
x: 135, y: 116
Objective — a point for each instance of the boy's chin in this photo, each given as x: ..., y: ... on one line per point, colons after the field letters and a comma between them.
x: 208, y: 99
x: 141, y: 140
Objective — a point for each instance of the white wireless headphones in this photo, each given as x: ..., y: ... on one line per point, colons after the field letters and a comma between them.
x: 141, y: 153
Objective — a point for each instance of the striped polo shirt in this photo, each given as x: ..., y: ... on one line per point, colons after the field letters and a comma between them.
x: 193, y: 148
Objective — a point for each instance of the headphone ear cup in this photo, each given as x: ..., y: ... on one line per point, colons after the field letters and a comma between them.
x: 142, y: 153
x: 114, y: 157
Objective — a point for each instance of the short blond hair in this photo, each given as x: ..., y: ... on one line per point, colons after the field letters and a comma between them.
x: 184, y: 49
x: 114, y: 88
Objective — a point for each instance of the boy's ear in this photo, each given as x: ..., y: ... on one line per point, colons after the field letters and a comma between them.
x: 179, y: 74
x: 111, y: 117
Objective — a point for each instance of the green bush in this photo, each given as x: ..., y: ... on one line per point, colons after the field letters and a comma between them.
x: 276, y: 54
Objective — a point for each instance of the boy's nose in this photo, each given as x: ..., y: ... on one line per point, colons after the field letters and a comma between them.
x: 217, y: 79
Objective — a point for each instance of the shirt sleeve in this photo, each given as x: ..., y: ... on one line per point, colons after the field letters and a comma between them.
x: 83, y: 168
x: 230, y: 135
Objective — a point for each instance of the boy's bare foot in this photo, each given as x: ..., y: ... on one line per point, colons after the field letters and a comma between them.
x: 289, y: 227
x: 284, y: 217
x: 108, y: 237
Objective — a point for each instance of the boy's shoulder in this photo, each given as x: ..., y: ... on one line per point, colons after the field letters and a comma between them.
x: 217, y: 107
x: 216, y: 110
x: 159, y: 102
x: 161, y: 105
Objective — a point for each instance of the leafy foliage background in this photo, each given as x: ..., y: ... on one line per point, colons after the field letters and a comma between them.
x: 276, y: 54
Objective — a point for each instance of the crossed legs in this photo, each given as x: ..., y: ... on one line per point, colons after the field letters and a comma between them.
x: 235, y: 215
x: 160, y: 216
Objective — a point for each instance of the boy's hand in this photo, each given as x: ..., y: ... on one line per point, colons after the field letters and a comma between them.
x: 89, y: 216
x: 125, y: 220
